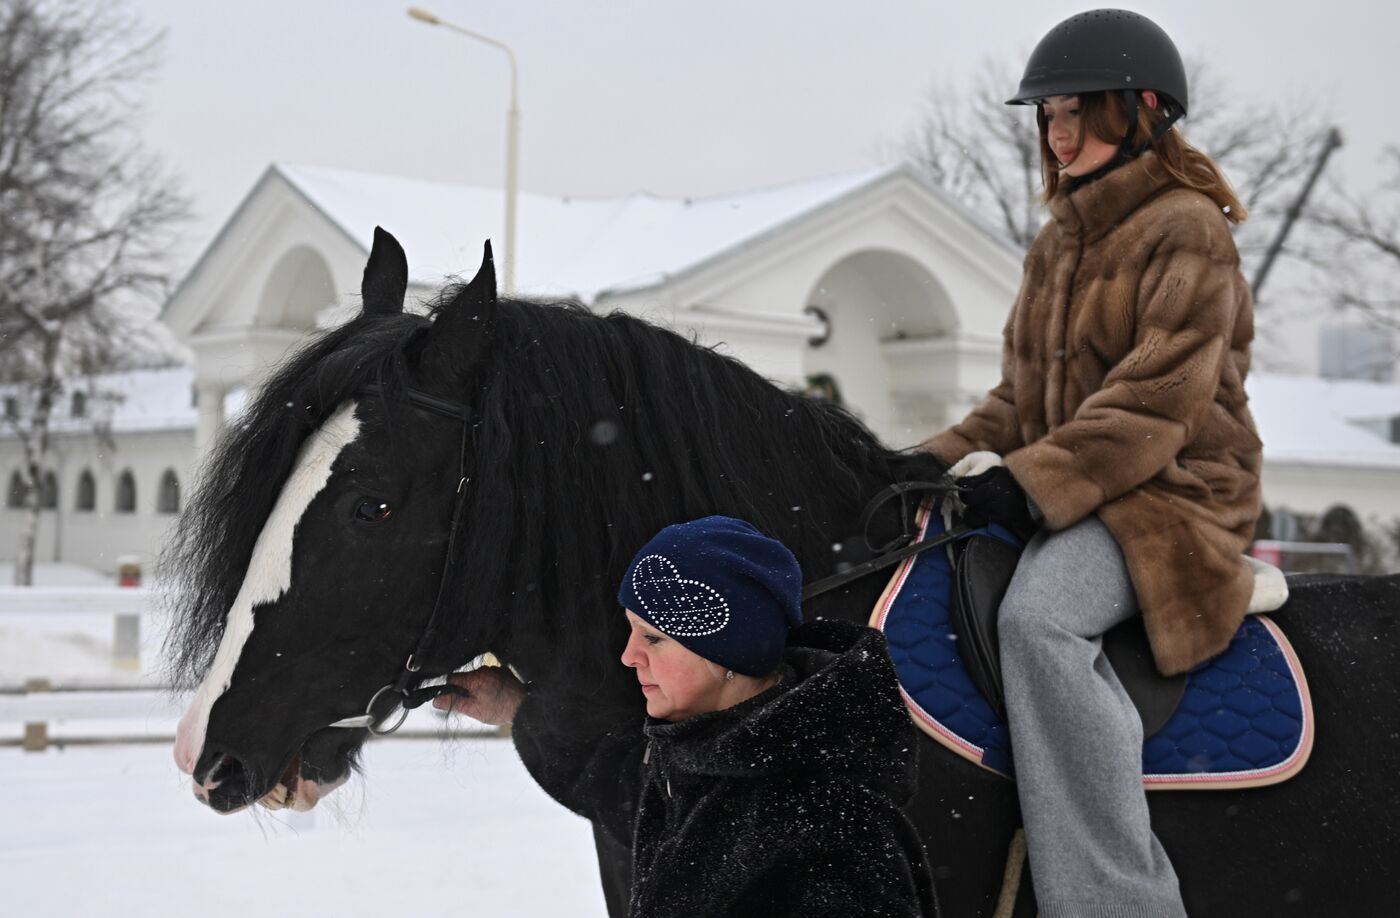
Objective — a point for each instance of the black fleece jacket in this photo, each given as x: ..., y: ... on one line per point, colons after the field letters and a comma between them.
x: 787, y: 804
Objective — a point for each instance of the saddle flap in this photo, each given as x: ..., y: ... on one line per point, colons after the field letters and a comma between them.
x: 1155, y: 696
x: 983, y: 568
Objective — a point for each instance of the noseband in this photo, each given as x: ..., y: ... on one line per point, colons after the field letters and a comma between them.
x: 407, y: 698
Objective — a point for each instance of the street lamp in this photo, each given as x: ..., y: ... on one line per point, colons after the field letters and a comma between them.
x: 512, y: 135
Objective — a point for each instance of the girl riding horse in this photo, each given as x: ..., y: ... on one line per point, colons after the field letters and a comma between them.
x: 1122, y: 417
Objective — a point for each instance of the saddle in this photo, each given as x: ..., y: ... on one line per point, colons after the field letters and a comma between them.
x: 982, y: 569
x: 1242, y: 719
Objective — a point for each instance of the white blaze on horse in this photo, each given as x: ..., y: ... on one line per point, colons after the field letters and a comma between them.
x: 268, y: 577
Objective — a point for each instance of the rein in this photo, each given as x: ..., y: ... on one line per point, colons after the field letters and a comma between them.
x: 399, y: 689
x: 899, y: 548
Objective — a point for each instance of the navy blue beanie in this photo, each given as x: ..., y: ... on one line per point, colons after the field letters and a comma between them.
x: 721, y: 588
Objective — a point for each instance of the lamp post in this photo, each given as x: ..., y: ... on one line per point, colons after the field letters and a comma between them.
x: 512, y: 135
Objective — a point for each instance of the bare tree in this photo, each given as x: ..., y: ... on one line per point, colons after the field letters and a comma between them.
x: 1363, y: 233
x: 85, y: 214
x: 987, y: 154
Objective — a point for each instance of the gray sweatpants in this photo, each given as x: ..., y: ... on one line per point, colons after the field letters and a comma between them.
x: 1075, y: 734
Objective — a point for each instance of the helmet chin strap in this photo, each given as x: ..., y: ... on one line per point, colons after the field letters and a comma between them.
x: 1130, y: 106
x: 1126, y: 150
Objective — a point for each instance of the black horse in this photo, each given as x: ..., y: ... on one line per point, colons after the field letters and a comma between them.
x: 325, y: 514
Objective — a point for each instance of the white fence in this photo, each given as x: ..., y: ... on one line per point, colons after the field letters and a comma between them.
x: 105, y: 698
x: 101, y: 599
x: 63, y: 684
x: 121, y: 608
x: 116, y: 704
x: 40, y: 718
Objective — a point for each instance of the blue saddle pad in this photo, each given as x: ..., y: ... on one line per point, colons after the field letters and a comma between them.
x: 1245, y: 719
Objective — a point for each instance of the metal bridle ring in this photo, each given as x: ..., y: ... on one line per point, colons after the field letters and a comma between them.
x: 374, y: 728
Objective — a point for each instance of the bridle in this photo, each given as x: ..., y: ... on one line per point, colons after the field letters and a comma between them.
x: 903, y: 546
x: 408, y: 699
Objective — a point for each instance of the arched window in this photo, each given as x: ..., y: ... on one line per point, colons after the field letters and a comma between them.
x: 87, y: 492
x: 48, y: 492
x: 168, y: 500
x: 126, y: 492
x: 14, y: 497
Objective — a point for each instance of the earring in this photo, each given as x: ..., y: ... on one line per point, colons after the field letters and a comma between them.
x: 729, y: 675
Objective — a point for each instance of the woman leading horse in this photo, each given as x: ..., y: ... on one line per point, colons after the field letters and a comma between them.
x: 773, y: 757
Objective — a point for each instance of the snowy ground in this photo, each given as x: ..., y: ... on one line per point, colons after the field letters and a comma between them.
x: 443, y: 827
x: 436, y: 826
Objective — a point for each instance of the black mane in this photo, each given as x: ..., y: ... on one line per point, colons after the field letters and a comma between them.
x: 204, y: 561
x: 595, y: 431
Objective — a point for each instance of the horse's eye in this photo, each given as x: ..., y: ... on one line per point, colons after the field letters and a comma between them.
x: 373, y: 511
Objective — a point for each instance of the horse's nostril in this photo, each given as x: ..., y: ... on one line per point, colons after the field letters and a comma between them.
x: 222, y: 780
x: 211, y: 764
x: 221, y: 765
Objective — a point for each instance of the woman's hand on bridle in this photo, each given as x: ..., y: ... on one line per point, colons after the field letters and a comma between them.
x: 495, y: 695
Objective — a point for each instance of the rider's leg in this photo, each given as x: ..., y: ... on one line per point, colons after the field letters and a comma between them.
x: 1075, y: 734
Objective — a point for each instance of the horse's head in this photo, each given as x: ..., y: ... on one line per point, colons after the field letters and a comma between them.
x: 313, y: 555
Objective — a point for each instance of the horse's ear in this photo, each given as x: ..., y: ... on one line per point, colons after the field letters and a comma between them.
x: 386, y: 276
x: 463, y: 328
x: 482, y: 288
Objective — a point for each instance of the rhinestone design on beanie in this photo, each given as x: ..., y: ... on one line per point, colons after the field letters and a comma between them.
x: 679, y: 607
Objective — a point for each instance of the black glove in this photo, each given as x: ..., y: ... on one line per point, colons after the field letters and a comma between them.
x: 995, y: 497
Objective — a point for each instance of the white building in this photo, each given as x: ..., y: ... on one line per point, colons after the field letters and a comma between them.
x: 121, y: 454
x: 876, y: 279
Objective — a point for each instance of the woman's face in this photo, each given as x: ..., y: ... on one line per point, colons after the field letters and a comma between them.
x: 677, y: 683
x: 1076, y: 156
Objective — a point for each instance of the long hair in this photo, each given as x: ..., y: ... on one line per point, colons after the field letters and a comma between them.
x: 1102, y: 114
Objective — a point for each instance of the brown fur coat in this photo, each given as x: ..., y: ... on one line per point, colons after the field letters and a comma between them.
x: 1122, y: 394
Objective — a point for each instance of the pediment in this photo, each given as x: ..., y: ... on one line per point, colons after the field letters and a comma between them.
x: 276, y: 263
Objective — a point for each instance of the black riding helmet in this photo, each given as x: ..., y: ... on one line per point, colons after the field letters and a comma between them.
x: 1103, y: 50
x: 1108, y: 51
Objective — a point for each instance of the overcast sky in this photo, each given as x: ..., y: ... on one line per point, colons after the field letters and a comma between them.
x: 678, y: 97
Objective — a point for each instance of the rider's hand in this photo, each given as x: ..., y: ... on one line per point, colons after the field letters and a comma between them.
x: 495, y: 695
x: 995, y: 497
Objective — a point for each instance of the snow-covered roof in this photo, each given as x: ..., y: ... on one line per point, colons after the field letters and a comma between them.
x: 1301, y: 419
x: 128, y: 402
x: 1312, y: 421
x: 567, y: 246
